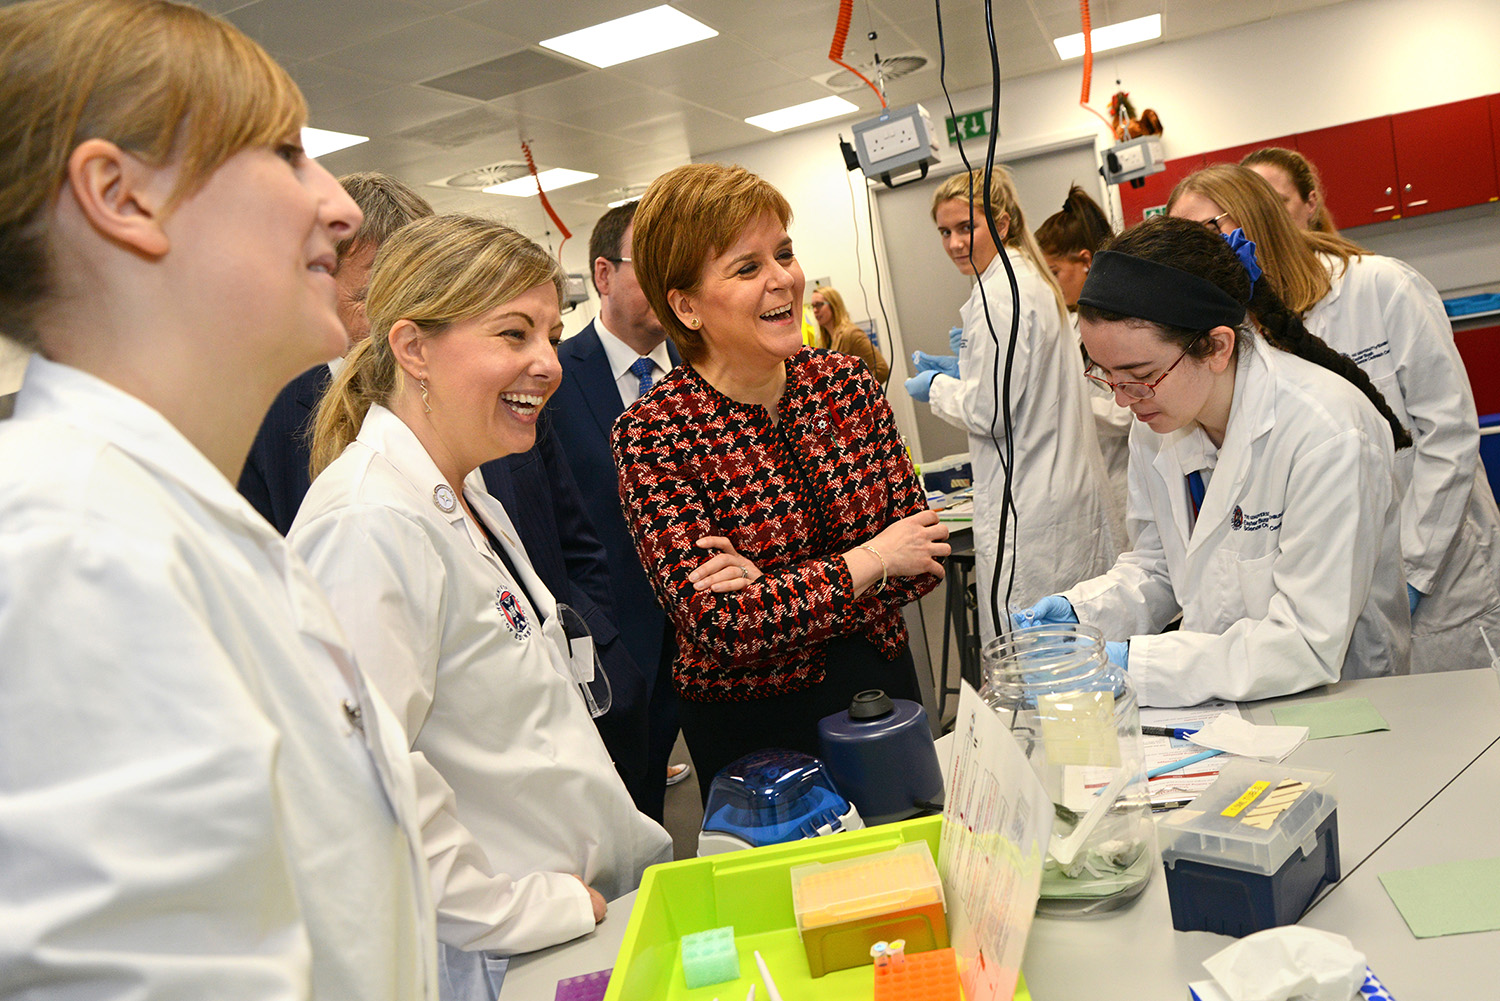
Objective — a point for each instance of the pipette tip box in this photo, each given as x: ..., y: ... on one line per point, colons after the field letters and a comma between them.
x: 926, y: 976
x: 1253, y: 850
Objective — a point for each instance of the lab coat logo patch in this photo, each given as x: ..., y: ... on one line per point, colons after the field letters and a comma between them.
x: 1238, y: 519
x: 510, y: 609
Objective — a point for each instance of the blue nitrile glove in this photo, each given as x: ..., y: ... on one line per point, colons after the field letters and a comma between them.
x: 956, y: 338
x: 920, y: 385
x: 1414, y: 597
x: 1048, y: 611
x: 1118, y: 654
x: 921, y: 361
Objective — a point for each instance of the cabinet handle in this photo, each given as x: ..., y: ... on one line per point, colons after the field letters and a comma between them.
x: 1386, y: 208
x: 1418, y: 202
x: 1389, y: 191
x: 1407, y: 188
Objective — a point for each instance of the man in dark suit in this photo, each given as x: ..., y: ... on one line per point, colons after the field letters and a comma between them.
x: 607, y: 367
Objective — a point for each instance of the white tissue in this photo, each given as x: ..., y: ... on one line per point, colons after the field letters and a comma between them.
x: 1235, y: 735
x: 1290, y: 962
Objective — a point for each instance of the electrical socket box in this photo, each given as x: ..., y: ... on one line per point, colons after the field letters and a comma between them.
x: 575, y: 291
x: 899, y: 140
x: 1133, y: 161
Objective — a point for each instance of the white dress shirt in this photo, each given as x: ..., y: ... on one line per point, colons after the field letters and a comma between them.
x: 621, y: 356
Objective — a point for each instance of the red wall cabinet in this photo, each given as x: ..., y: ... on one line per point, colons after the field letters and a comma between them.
x: 1358, y: 165
x: 1235, y: 154
x: 1445, y: 157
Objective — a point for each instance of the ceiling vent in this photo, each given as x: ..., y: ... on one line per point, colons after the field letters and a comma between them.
x: 504, y: 76
x: 892, y: 69
x: 483, y: 177
x: 458, y: 130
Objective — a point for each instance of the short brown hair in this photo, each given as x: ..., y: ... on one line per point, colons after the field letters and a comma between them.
x: 688, y: 215
x: 164, y: 81
x: 609, y: 235
x: 387, y: 204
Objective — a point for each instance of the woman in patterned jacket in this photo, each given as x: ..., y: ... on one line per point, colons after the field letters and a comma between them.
x: 768, y: 491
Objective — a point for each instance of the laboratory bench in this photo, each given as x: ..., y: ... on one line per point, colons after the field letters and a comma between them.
x: 1427, y: 790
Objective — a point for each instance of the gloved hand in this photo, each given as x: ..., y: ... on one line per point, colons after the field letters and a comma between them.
x: 1118, y: 654
x: 919, y: 386
x: 1050, y: 610
x: 923, y: 362
x: 1414, y: 597
x: 956, y: 338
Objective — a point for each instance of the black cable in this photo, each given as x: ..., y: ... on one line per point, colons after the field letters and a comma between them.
x: 879, y: 296
x: 859, y: 267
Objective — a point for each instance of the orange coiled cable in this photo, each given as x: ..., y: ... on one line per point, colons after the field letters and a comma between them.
x: 531, y: 165
x: 841, y: 35
x: 1088, y: 63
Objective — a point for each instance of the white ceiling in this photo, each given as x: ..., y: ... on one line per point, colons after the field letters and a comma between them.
x: 362, y: 64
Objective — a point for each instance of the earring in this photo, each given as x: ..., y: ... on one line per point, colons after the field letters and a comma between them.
x: 425, y: 405
x: 697, y: 323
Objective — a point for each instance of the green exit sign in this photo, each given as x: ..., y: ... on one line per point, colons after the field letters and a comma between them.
x: 1154, y: 210
x: 970, y: 125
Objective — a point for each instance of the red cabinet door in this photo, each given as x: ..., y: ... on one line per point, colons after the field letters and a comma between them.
x: 1494, y: 100
x: 1445, y: 156
x: 1480, y: 350
x: 1158, y: 188
x: 1235, y: 154
x: 1358, y: 165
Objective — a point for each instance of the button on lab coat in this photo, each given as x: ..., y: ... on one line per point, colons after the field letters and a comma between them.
x: 187, y: 808
x: 1066, y: 527
x: 522, y: 782
x: 1291, y: 577
x: 1391, y: 322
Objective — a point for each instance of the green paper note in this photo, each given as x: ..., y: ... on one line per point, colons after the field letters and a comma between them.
x: 1450, y: 898
x: 1332, y: 719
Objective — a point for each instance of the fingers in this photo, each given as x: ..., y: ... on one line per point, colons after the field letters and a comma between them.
x: 718, y: 542
x: 724, y: 572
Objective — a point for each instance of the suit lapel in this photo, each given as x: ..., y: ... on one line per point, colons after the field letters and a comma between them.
x: 600, y: 394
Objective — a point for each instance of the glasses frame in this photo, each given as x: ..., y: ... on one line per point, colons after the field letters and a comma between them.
x: 1147, y: 390
x: 1213, y: 223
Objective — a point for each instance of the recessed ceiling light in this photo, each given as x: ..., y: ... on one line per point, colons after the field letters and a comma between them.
x: 321, y: 142
x: 631, y: 37
x: 624, y: 201
x: 802, y: 114
x: 1111, y: 36
x: 557, y: 177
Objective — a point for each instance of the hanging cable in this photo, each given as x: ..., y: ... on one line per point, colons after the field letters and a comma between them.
x: 531, y: 166
x: 879, y: 297
x: 840, y: 36
x: 1088, y: 63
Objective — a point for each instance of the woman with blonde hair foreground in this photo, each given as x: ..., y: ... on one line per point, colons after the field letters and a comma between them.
x: 200, y: 798
x: 431, y: 583
x: 836, y: 332
x: 769, y: 494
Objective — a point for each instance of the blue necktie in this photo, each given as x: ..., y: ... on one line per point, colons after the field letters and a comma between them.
x: 642, y: 369
x: 1196, y: 491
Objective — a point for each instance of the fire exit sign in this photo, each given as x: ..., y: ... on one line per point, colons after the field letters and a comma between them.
x: 969, y: 125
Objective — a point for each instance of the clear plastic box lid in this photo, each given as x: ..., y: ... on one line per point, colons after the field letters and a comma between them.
x: 1251, y: 818
x: 866, y: 886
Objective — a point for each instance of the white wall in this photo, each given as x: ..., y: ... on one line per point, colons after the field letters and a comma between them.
x: 1342, y: 63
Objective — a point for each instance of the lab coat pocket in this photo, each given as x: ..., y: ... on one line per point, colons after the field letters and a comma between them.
x: 1257, y: 583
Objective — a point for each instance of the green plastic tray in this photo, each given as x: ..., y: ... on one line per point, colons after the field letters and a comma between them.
x: 752, y: 891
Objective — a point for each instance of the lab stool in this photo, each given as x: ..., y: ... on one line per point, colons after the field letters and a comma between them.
x: 960, y: 625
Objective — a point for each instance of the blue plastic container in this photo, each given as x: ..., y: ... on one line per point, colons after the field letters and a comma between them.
x: 769, y: 797
x: 880, y: 754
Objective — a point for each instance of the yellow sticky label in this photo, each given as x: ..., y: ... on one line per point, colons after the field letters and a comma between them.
x: 1246, y: 798
x: 1274, y: 805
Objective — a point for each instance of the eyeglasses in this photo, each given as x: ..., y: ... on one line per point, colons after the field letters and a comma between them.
x: 619, y: 260
x: 1213, y: 223
x: 1136, y: 390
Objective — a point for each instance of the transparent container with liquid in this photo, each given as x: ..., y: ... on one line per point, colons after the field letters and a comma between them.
x: 1075, y: 717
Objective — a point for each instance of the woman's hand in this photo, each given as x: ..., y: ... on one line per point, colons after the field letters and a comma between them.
x: 913, y: 545
x: 596, y: 899
x: 725, y: 571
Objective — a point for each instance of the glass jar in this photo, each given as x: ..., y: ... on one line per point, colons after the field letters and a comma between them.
x: 1075, y: 717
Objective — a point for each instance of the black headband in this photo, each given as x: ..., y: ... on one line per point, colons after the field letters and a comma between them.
x: 1136, y: 287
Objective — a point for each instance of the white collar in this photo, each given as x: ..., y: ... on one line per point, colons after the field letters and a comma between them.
x: 621, y: 355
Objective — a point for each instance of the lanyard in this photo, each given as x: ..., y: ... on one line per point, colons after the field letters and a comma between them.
x: 1195, y: 493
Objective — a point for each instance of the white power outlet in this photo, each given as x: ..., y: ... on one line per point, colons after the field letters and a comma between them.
x: 888, y: 140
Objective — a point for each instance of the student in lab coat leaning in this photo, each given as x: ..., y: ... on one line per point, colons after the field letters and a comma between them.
x: 1064, y: 526
x: 1390, y: 321
x: 428, y: 577
x: 198, y: 797
x: 1262, y: 491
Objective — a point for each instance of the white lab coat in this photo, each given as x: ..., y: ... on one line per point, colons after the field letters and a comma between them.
x: 484, y: 692
x: 1064, y: 526
x: 1291, y: 577
x: 186, y: 808
x: 1391, y: 322
x: 1112, y: 423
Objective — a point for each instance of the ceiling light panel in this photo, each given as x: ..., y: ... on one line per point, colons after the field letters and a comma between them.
x: 524, y: 187
x: 1111, y: 36
x: 802, y: 114
x: 631, y: 37
x: 321, y: 142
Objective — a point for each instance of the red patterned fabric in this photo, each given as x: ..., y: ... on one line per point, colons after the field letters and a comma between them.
x: 792, y: 497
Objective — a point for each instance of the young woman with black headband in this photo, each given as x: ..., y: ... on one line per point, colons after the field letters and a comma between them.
x: 1261, y: 487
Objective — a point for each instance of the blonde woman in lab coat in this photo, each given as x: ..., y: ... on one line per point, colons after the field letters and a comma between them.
x: 1390, y: 321
x: 200, y: 798
x: 429, y: 579
x: 1064, y: 526
x: 1262, y: 491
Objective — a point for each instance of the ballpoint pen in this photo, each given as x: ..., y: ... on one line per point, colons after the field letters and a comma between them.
x: 1172, y: 766
x: 1181, y: 733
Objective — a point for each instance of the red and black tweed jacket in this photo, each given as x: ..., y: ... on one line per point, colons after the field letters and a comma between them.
x: 791, y: 496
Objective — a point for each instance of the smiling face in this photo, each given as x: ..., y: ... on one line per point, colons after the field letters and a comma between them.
x: 1192, y: 392
x: 749, y: 300
x: 488, y: 376
x: 1299, y: 209
x: 258, y: 243
x: 962, y: 236
x: 1200, y: 208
